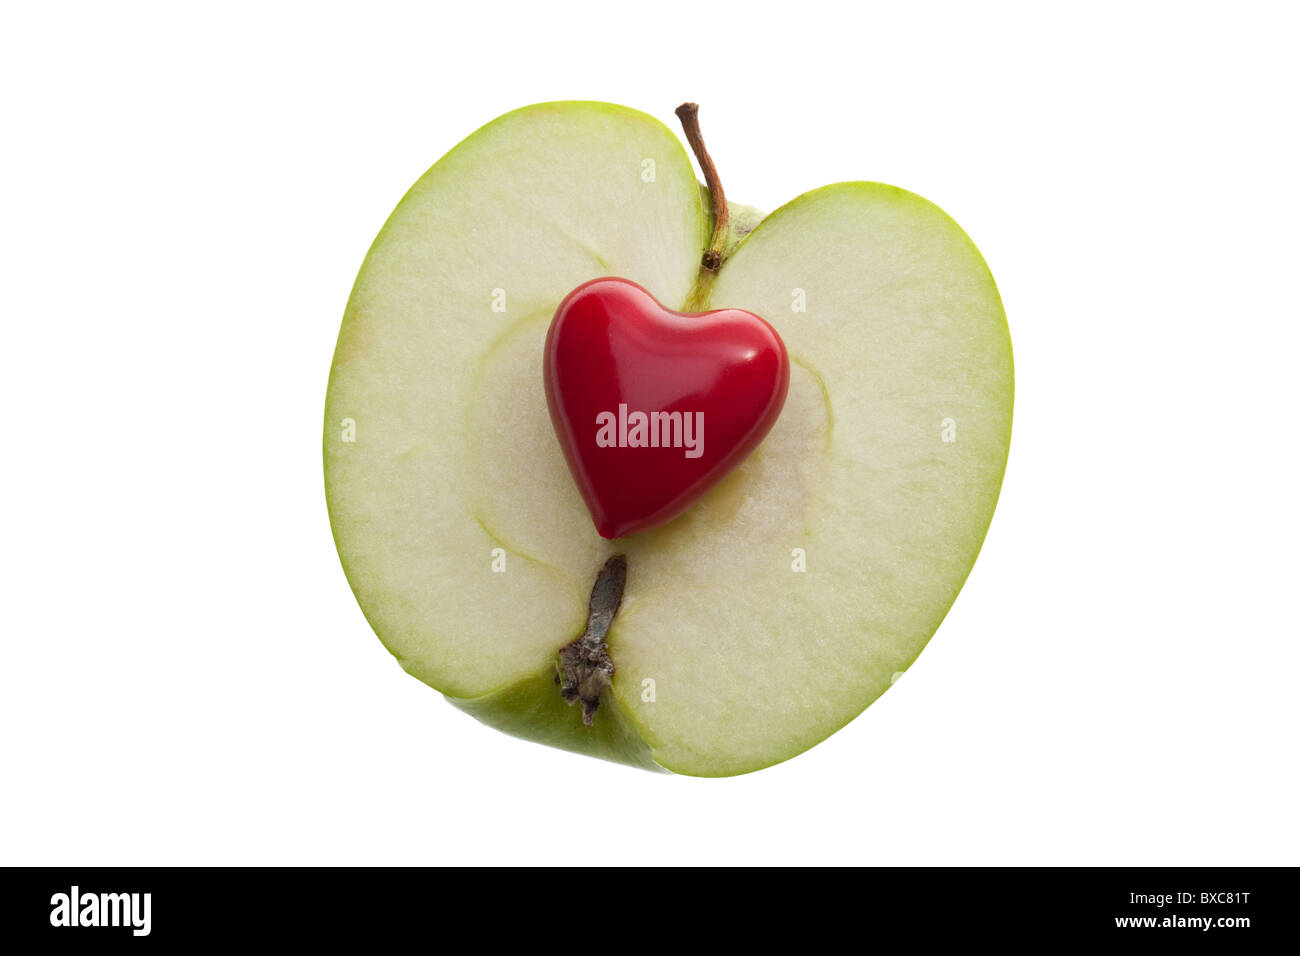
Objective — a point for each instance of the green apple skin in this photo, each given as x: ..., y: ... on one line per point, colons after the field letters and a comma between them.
x: 533, y: 710
x: 748, y: 663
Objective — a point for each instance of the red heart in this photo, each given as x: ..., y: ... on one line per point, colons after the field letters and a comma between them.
x: 708, y: 388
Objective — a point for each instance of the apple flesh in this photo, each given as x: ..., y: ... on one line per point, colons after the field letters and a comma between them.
x: 785, y: 600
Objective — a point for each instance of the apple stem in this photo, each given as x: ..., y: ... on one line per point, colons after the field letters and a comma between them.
x: 585, y: 667
x: 689, y: 114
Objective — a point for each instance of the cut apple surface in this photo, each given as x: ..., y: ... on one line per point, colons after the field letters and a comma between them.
x: 780, y: 604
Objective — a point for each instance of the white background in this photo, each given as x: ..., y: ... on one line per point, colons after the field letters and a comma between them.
x: 187, y: 196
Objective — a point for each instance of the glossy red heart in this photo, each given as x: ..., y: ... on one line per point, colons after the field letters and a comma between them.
x: 654, y: 407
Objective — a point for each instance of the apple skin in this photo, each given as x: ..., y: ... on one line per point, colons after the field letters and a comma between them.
x: 611, y: 346
x: 533, y: 709
x: 895, y: 348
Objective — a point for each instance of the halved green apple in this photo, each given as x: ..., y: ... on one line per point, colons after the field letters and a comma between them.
x: 780, y: 605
